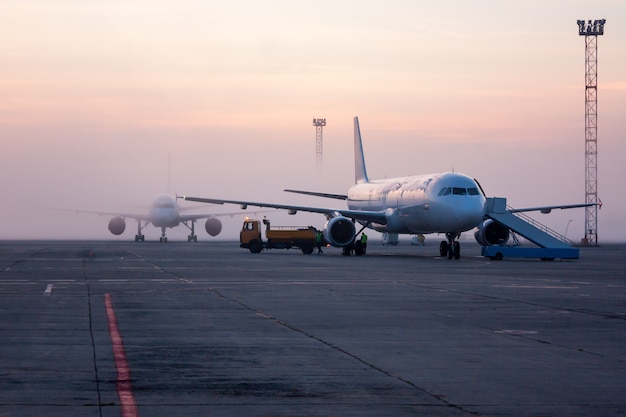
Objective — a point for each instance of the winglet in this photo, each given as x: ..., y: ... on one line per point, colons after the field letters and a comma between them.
x: 360, y: 173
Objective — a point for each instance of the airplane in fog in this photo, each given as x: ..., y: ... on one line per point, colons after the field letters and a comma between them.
x: 448, y: 203
x: 164, y: 213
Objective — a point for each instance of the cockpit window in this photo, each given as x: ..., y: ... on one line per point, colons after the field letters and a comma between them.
x: 458, y: 191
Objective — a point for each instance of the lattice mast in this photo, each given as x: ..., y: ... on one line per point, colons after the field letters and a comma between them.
x: 591, y: 30
x: 319, y: 138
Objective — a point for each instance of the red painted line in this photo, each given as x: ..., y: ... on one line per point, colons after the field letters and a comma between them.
x: 124, y: 391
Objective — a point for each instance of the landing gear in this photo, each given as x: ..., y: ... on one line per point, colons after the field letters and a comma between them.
x: 139, y: 237
x: 163, y: 238
x: 450, y: 248
x: 357, y: 246
x: 192, y: 237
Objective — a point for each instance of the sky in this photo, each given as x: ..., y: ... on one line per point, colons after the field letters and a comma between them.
x: 104, y: 105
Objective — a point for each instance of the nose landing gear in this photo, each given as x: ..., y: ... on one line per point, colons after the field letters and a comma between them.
x: 450, y: 248
x: 163, y: 238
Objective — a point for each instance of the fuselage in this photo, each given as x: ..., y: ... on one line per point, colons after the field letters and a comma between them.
x: 446, y: 202
x: 164, y: 212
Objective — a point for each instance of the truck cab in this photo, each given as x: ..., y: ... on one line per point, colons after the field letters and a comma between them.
x: 250, y: 236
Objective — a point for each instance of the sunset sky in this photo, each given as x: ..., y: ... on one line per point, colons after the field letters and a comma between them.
x: 97, y: 95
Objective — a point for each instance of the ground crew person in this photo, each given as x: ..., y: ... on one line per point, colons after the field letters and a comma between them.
x: 318, y: 242
x: 363, y: 241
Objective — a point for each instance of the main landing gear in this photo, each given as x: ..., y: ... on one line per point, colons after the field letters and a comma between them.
x: 451, y: 248
x: 192, y: 237
x: 356, y: 245
x: 139, y: 237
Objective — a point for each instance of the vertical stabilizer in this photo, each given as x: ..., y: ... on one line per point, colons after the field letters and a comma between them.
x: 360, y: 173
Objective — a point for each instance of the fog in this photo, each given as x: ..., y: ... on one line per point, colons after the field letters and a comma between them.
x: 100, y: 172
x: 98, y: 101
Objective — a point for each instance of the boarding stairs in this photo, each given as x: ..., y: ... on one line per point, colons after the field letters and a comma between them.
x: 550, y: 244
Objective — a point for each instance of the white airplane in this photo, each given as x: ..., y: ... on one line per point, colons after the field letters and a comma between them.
x: 449, y: 203
x: 163, y: 213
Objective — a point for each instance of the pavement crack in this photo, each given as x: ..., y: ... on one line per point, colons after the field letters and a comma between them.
x: 93, y: 342
x: 341, y: 350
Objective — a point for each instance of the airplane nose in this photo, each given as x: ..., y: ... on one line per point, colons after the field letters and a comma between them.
x: 469, y: 213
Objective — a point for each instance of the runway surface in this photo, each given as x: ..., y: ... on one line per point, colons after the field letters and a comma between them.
x: 209, y: 329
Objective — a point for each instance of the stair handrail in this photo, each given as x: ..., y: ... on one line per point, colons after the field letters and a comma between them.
x: 540, y: 226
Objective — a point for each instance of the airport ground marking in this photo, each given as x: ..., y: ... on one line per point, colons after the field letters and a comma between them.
x: 48, y: 290
x: 124, y: 389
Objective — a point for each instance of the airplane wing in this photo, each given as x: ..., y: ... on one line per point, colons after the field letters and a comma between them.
x: 325, y: 195
x: 146, y: 217
x: 186, y: 217
x: 548, y: 209
x: 367, y: 216
x: 143, y: 217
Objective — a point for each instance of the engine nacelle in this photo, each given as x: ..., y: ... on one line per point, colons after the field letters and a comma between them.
x: 492, y: 233
x: 117, y: 225
x: 339, y: 231
x: 213, y: 226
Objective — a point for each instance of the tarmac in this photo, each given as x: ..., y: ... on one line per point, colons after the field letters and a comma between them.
x: 116, y: 328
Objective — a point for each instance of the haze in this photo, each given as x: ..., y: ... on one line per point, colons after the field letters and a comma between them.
x: 96, y: 95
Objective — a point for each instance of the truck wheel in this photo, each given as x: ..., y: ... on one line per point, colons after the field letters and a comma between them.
x: 256, y: 246
x: 307, y: 250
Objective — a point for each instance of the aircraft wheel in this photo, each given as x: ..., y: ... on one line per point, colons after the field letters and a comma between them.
x: 443, y: 248
x: 457, y: 250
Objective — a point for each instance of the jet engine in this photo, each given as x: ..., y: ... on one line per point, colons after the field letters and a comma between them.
x: 117, y: 225
x: 213, y: 226
x: 339, y: 231
x: 491, y: 233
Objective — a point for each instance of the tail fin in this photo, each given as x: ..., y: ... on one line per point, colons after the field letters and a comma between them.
x: 360, y: 173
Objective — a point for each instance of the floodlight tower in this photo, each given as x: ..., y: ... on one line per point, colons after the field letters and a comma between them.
x: 591, y: 30
x: 319, y: 136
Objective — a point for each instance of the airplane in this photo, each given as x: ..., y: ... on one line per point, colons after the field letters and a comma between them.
x: 164, y: 213
x: 448, y: 203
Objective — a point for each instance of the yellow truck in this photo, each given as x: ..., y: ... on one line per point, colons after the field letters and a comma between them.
x: 281, y: 237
